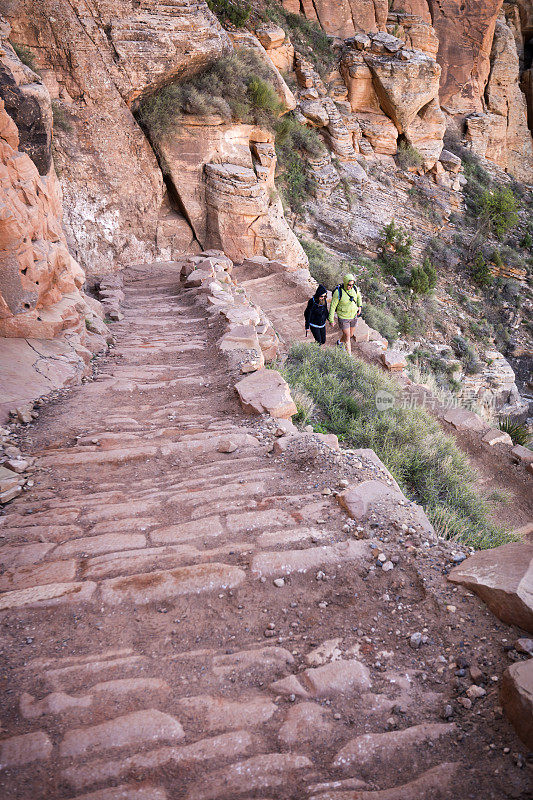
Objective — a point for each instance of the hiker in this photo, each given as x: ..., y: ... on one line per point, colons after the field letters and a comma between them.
x: 316, y: 314
x: 346, y: 302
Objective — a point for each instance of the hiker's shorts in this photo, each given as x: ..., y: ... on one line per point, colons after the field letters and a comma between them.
x: 344, y: 324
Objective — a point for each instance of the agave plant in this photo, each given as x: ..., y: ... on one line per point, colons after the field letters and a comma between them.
x: 518, y: 431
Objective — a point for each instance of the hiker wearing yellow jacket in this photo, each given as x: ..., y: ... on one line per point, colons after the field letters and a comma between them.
x: 346, y: 302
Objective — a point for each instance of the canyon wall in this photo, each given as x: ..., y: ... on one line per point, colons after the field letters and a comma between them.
x: 95, y: 58
x: 483, y: 50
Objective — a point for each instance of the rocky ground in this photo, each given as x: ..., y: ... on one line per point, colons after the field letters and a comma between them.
x: 188, y: 613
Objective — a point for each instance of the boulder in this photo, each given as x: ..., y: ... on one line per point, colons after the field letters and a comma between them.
x: 281, y: 444
x: 360, y: 499
x: 496, y: 436
x: 523, y: 454
x: 516, y: 696
x: 393, y: 360
x: 464, y: 420
x: 450, y: 162
x: 266, y: 392
x: 404, y: 87
x: 503, y: 578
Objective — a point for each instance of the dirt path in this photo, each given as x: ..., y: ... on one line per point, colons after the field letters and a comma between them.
x: 284, y: 302
x: 147, y: 653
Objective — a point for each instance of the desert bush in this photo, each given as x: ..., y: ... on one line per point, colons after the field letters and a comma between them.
x: 479, y: 270
x: 497, y: 211
x: 395, y: 252
x: 60, y: 117
x: 426, y: 462
x: 467, y: 355
x: 408, y: 157
x: 236, y: 87
x: 323, y: 266
x: 306, y: 35
x: 294, y: 142
x: 381, y: 320
x: 234, y: 11
x: 423, y: 278
x: 25, y: 54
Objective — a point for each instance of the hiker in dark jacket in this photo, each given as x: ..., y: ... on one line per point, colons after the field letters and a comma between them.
x: 316, y: 314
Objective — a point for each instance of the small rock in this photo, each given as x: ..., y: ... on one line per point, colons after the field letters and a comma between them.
x: 447, y: 711
x: 465, y: 702
x: 476, y: 675
x: 387, y: 566
x: 474, y: 692
x: 524, y: 646
x: 226, y: 446
x: 382, y: 557
x: 279, y: 582
x: 451, y: 609
x: 415, y: 640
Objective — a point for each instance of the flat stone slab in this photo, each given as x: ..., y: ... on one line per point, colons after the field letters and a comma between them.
x: 218, y: 714
x: 306, y: 722
x: 105, y: 543
x: 125, y: 792
x: 365, y: 753
x: 138, y: 728
x: 463, y: 420
x: 286, y: 561
x: 338, y: 677
x: 164, y: 584
x: 48, y: 595
x: 516, y: 696
x: 360, y: 499
x: 496, y: 436
x: 393, y: 360
x: 38, y: 575
x: 503, y: 578
x: 438, y: 783
x: 260, y: 772
x: 25, y: 749
x: 272, y: 659
x: 226, y: 746
x: 266, y: 392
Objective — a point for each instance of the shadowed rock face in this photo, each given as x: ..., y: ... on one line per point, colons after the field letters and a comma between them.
x: 28, y: 103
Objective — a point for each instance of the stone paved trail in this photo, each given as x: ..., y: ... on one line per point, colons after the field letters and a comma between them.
x: 147, y: 653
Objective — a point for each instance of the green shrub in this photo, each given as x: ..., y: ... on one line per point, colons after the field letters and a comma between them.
x: 426, y: 462
x: 527, y: 241
x: 306, y: 35
x: 408, y: 156
x: 423, y: 278
x: 60, y: 117
x: 395, y: 252
x: 294, y: 142
x: 381, y: 320
x: 497, y: 211
x: 467, y: 355
x: 323, y: 266
x: 518, y: 431
x: 479, y: 271
x: 26, y: 55
x: 234, y: 11
x: 236, y: 87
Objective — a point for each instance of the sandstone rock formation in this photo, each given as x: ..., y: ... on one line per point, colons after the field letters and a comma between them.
x: 42, y: 311
x: 342, y: 18
x: 501, y: 132
x: 95, y: 61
